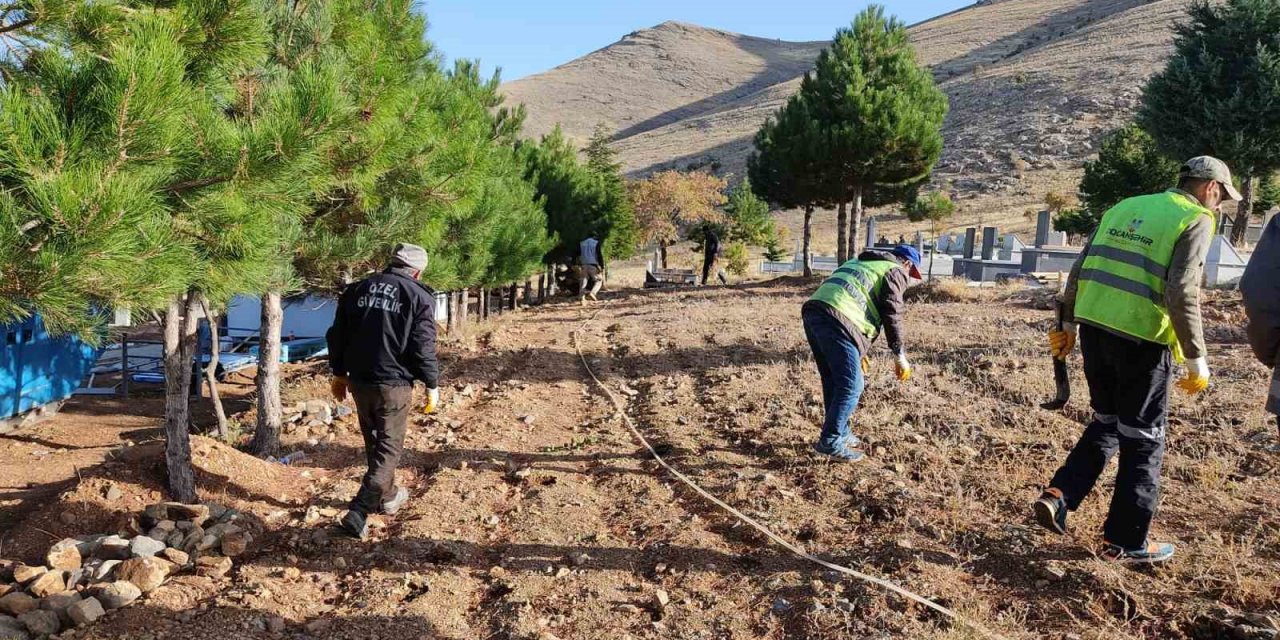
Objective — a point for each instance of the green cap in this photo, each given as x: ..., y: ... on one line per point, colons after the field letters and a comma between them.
x: 1210, y: 168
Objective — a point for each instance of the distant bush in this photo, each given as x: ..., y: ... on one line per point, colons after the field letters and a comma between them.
x: 736, y: 260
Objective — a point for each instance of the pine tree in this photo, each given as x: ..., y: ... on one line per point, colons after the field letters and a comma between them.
x: 783, y: 169
x: 750, y: 221
x: 878, y: 111
x: 936, y: 208
x: 669, y: 203
x: 1128, y: 164
x: 1220, y: 93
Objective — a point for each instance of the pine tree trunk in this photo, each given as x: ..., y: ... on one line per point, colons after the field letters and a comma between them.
x: 542, y: 287
x: 662, y: 254
x: 1240, y: 229
x: 266, y: 438
x: 528, y: 291
x: 211, y: 371
x: 181, y: 479
x: 808, y: 237
x: 842, y: 219
x: 482, y: 306
x: 464, y: 301
x: 855, y: 223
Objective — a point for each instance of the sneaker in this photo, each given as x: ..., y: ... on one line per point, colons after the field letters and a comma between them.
x: 1051, y: 511
x: 840, y: 452
x: 390, y: 507
x: 1151, y: 553
x: 355, y: 524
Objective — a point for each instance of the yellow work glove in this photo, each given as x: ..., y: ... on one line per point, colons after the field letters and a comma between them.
x: 433, y: 401
x: 866, y: 365
x: 903, y: 368
x: 1197, y: 379
x: 1062, y: 342
x: 338, y: 387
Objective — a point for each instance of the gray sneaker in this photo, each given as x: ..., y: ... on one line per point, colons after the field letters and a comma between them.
x: 355, y: 525
x: 390, y: 507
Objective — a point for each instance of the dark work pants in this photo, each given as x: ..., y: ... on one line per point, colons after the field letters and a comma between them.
x: 1129, y: 391
x: 384, y: 415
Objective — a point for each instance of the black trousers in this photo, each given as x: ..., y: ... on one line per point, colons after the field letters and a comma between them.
x: 1129, y: 391
x: 383, y: 411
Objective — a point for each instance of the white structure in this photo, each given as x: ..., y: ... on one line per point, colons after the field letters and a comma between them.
x: 1224, y: 266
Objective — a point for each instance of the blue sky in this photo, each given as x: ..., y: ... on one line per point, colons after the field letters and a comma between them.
x: 524, y: 37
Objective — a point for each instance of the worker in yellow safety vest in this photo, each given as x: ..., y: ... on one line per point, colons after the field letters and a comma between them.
x: 862, y: 298
x: 1135, y: 294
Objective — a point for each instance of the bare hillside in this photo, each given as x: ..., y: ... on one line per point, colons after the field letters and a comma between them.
x: 1033, y: 84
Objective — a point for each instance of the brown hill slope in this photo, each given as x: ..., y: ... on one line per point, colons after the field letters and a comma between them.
x: 1033, y: 85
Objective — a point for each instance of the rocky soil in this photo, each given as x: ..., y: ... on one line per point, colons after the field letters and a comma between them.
x: 536, y: 514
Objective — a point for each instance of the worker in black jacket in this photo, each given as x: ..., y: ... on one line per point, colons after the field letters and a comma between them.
x: 383, y: 339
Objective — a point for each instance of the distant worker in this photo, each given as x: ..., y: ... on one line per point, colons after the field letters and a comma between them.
x: 1260, y: 287
x: 842, y: 320
x: 711, y: 257
x: 1135, y: 291
x: 383, y: 339
x: 591, y: 261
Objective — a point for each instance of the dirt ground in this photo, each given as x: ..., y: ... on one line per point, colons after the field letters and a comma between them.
x: 537, y: 515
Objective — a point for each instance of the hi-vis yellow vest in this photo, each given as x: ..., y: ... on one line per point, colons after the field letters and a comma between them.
x: 852, y: 290
x: 1122, y: 280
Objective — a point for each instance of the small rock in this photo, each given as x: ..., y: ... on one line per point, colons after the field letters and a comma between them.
x: 11, y: 629
x: 193, y: 512
x: 105, y: 569
x: 113, y: 493
x: 145, y: 573
x: 528, y: 419
x: 661, y: 598
x: 59, y: 603
x: 112, y: 548
x: 497, y: 572
x: 628, y: 608
x: 780, y: 605
x: 235, y: 543
x: 67, y: 517
x: 145, y: 547
x: 85, y: 611
x: 175, y: 539
x: 47, y: 584
x: 180, y: 558
x: 213, y: 567
x: 276, y: 624
x: 18, y: 603
x: 41, y: 623
x: 118, y: 594
x: 75, y: 577
x: 154, y: 513
x: 192, y: 540
x: 562, y: 572
x: 844, y: 605
x: 64, y: 555
x: 23, y: 573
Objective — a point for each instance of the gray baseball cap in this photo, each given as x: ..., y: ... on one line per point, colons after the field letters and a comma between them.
x: 409, y: 255
x: 1210, y: 168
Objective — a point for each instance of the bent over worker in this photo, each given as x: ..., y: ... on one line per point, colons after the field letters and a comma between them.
x: 841, y: 321
x: 1260, y: 288
x: 383, y: 339
x: 1135, y: 292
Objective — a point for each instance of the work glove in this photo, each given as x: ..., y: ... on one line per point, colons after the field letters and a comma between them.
x: 1062, y: 342
x: 1197, y: 379
x: 433, y: 401
x: 866, y: 365
x: 338, y: 387
x: 903, y: 367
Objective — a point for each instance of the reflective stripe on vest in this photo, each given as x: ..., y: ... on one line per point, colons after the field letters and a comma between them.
x: 852, y: 290
x: 1122, y: 280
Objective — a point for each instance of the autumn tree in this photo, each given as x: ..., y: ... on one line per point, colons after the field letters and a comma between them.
x: 669, y: 202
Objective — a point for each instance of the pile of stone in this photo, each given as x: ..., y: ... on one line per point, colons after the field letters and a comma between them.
x: 86, y: 576
x: 315, y: 420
